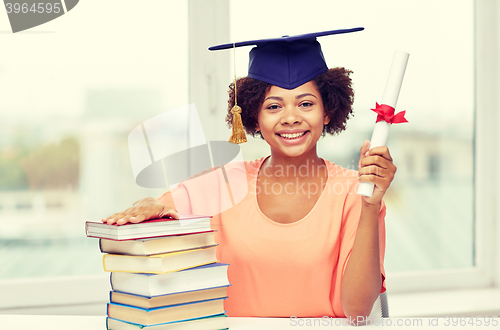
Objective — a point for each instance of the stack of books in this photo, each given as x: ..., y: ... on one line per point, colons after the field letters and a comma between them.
x: 164, y: 274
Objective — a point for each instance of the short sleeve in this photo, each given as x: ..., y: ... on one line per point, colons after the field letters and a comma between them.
x: 207, y: 193
x: 347, y: 235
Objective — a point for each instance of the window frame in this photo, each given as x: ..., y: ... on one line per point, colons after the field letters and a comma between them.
x: 486, y: 270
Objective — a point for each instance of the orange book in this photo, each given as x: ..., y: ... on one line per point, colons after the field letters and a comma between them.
x: 172, y: 313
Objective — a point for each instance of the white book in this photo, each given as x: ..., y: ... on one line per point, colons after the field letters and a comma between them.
x: 186, y: 224
x: 149, y: 285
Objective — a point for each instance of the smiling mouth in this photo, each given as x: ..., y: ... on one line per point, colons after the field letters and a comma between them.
x: 292, y: 136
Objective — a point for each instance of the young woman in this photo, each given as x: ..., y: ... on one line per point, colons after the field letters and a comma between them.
x: 301, y: 242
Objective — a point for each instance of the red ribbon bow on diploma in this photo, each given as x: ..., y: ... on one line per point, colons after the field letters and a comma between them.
x: 386, y: 112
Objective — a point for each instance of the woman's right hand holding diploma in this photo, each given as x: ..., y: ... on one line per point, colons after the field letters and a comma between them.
x: 144, y: 209
x: 376, y: 166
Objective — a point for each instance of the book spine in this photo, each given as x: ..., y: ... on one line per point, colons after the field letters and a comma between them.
x: 104, y: 262
x: 168, y: 307
x: 111, y: 281
x: 87, y: 229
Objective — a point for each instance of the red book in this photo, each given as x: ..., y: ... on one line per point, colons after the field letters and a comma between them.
x: 187, y: 224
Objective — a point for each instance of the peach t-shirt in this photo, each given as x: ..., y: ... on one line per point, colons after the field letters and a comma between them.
x: 281, y: 270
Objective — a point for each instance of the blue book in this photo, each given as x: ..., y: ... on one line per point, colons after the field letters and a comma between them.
x: 216, y: 322
x: 166, y: 314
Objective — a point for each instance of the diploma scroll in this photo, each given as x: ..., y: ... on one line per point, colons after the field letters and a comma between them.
x: 390, y: 98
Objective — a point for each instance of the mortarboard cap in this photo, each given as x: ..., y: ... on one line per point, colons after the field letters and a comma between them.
x: 286, y: 62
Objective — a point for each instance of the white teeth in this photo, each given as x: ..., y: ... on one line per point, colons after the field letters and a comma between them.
x: 292, y: 136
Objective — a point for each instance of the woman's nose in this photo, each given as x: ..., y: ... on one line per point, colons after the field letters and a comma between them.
x: 291, y: 116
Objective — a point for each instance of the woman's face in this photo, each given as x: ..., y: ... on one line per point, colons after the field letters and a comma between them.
x: 291, y: 121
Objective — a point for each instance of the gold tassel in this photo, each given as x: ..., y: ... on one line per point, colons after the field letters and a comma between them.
x: 238, y: 134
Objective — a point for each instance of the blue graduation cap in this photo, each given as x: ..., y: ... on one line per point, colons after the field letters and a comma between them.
x: 286, y: 62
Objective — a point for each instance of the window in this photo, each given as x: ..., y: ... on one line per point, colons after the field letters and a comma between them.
x: 92, y: 83
x: 72, y: 91
x: 430, y: 219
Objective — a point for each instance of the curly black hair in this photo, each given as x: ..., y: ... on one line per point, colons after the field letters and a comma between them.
x: 334, y: 85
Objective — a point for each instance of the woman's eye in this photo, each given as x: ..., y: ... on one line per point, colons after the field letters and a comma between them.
x: 306, y: 104
x: 273, y: 107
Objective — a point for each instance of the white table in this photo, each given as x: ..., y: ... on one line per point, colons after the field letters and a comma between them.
x: 65, y: 322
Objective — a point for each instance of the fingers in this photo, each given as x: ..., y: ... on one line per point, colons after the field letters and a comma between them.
x: 112, y: 219
x: 376, y: 166
x: 145, y: 209
x: 378, y: 155
x: 170, y: 212
x: 133, y: 218
x: 380, y: 151
x: 377, y: 161
x: 364, y: 149
x: 375, y: 170
x: 379, y: 176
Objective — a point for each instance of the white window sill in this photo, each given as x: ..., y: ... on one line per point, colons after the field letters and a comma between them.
x: 471, y: 302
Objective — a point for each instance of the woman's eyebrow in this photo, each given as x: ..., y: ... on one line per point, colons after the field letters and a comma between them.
x: 304, y: 95
x: 296, y: 97
x: 274, y: 98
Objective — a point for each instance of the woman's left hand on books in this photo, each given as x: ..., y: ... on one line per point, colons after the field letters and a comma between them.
x: 376, y: 166
x: 144, y: 209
